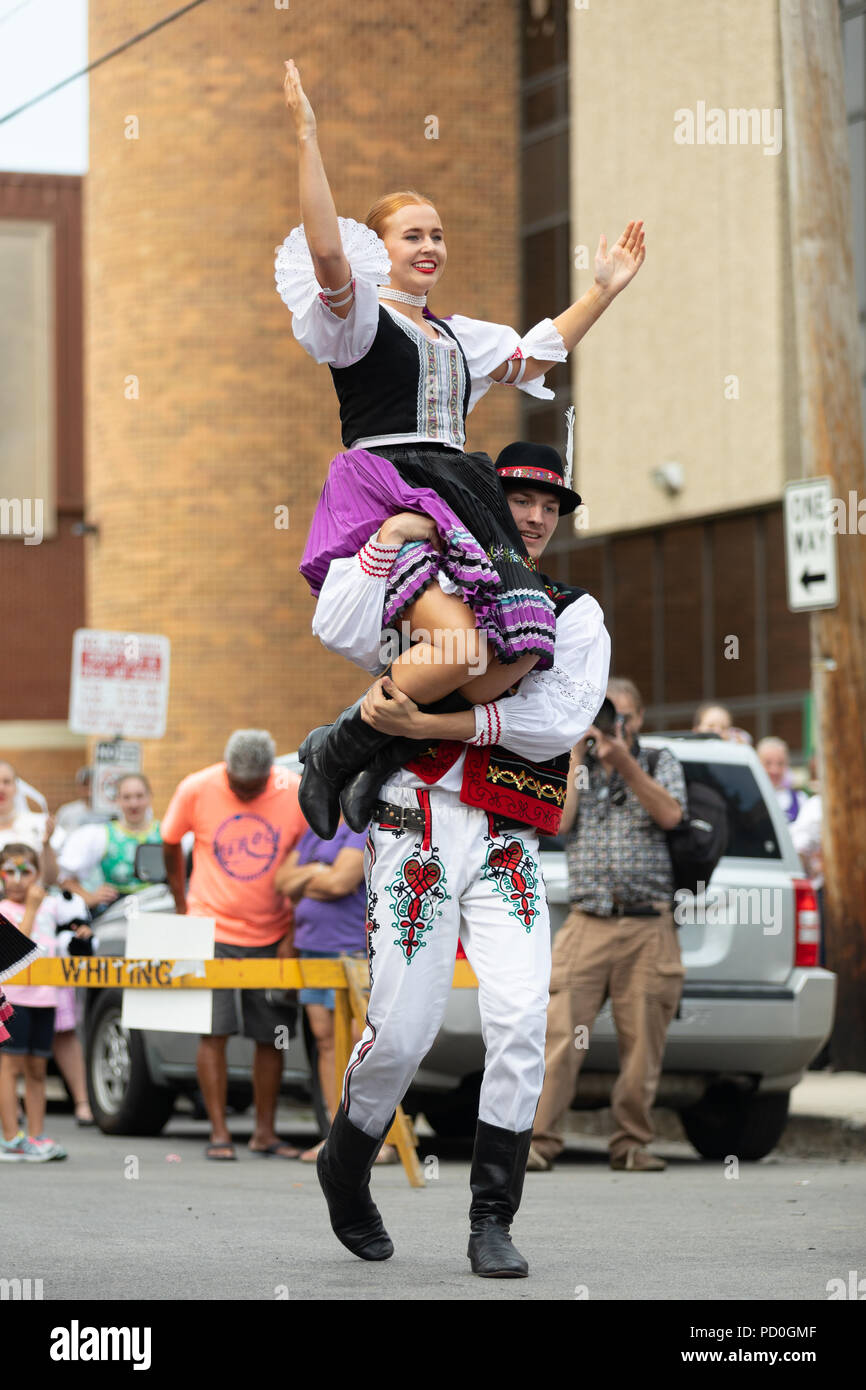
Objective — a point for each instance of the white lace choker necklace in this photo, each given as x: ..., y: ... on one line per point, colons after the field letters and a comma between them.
x: 385, y: 293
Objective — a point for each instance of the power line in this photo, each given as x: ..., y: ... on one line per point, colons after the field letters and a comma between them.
x: 9, y: 13
x: 121, y: 48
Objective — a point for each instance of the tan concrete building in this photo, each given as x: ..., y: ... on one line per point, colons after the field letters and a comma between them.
x: 686, y: 392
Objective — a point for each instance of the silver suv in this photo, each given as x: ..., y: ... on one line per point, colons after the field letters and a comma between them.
x: 756, y: 1005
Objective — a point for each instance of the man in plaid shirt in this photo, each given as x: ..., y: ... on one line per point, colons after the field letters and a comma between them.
x: 619, y: 940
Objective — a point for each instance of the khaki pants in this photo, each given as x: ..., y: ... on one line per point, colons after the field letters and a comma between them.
x: 635, y: 962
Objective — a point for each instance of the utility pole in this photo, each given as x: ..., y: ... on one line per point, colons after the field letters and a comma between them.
x: 831, y: 431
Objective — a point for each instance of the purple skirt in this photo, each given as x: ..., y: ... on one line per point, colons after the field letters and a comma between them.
x: 483, y: 554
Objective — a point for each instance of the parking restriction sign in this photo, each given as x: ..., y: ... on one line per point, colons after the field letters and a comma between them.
x: 810, y: 545
x: 119, y: 683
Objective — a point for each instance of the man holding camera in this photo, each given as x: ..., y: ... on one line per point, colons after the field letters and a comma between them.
x: 619, y: 941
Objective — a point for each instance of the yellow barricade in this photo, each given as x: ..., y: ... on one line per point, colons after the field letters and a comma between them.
x: 348, y: 976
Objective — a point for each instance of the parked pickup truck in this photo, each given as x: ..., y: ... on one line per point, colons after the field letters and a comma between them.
x: 756, y: 1007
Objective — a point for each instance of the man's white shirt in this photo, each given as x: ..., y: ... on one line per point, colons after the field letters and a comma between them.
x: 550, y: 711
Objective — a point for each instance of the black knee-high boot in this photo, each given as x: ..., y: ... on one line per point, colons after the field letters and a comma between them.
x: 361, y: 791
x: 343, y: 1167
x: 332, y: 754
x: 496, y: 1181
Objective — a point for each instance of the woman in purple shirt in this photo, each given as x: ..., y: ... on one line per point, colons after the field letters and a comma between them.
x: 325, y: 881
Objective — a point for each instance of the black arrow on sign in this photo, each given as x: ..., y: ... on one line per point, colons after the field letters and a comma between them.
x: 806, y: 579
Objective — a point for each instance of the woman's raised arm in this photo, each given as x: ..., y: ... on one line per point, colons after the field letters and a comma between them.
x: 614, y: 269
x: 318, y: 213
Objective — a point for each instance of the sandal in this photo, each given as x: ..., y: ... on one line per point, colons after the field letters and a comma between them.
x: 221, y: 1151
x: 277, y: 1150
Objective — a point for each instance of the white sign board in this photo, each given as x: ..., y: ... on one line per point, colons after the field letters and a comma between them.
x: 810, y: 545
x: 112, y: 761
x: 119, y: 683
x: 165, y: 936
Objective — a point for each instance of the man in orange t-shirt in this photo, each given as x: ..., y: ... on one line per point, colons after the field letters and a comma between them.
x: 245, y: 817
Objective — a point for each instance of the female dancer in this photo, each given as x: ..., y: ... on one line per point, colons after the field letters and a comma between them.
x: 405, y: 381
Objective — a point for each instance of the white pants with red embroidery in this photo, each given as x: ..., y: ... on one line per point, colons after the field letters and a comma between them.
x: 427, y: 888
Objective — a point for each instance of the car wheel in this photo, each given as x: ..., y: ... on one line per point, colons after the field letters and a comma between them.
x: 123, y: 1098
x: 728, y: 1124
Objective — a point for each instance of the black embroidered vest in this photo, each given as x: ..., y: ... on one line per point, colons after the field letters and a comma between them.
x: 386, y: 392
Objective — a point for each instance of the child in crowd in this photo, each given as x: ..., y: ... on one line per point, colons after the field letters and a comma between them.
x: 31, y: 1025
x: 16, y: 953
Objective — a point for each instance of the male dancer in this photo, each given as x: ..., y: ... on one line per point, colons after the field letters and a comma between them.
x: 453, y: 853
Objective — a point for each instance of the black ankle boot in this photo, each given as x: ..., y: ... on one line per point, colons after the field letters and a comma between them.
x: 361, y: 791
x: 496, y: 1180
x: 330, y: 755
x: 343, y: 1167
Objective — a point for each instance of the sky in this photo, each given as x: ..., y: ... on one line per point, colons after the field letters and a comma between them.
x: 41, y: 42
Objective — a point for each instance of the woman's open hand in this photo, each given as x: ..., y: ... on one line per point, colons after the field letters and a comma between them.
x: 616, y: 267
x: 298, y: 102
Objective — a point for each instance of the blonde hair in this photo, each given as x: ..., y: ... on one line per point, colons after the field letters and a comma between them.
x: 386, y: 206
x: 620, y: 685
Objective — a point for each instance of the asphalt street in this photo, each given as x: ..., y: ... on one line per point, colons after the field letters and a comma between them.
x: 135, y: 1219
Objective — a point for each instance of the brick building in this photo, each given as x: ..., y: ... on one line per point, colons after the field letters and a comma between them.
x: 204, y: 413
x: 41, y: 465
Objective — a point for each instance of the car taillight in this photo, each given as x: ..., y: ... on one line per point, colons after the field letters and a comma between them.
x: 807, y: 934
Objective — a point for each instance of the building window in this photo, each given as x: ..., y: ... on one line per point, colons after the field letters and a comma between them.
x: 545, y: 220
x: 27, y: 379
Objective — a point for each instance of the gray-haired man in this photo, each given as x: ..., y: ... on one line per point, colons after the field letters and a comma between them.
x: 245, y: 816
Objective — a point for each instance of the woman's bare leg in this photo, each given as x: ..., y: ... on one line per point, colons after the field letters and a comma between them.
x: 11, y: 1067
x: 497, y: 679
x: 34, y: 1094
x: 70, y: 1059
x: 450, y: 653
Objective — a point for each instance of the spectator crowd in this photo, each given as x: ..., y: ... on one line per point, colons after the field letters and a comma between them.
x: 275, y: 889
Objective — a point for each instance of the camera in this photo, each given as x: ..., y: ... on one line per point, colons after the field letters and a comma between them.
x: 607, y: 721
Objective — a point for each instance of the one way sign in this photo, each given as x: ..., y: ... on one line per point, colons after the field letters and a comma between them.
x: 810, y: 545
